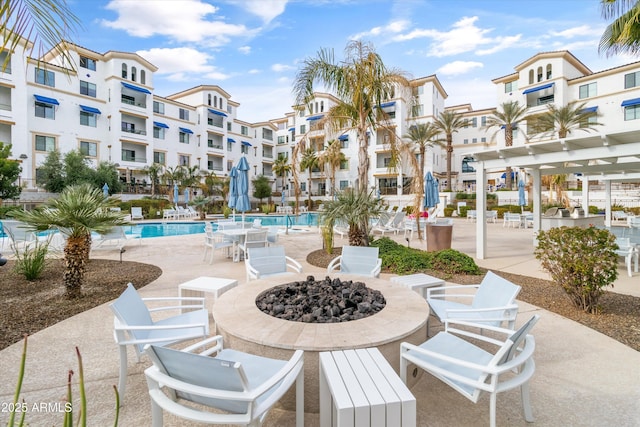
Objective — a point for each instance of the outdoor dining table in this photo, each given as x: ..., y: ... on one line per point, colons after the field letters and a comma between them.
x: 237, y: 235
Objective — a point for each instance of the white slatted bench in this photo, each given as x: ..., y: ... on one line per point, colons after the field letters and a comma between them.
x: 358, y: 388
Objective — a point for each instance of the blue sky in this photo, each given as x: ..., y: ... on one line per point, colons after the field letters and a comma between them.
x: 253, y: 48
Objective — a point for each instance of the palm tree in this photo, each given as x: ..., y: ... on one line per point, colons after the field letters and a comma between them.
x: 420, y: 136
x: 309, y: 161
x: 45, y: 22
x: 354, y: 208
x: 154, y: 171
x: 361, y: 82
x: 565, y: 119
x: 332, y: 157
x: 512, y: 113
x: 172, y: 176
x: 448, y: 122
x: 78, y: 211
x: 281, y: 167
x: 623, y: 34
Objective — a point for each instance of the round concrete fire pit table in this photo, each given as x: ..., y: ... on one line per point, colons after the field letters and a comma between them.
x: 246, y: 328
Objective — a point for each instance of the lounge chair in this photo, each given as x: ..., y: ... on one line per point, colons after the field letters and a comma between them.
x: 269, y: 261
x: 136, y: 213
x: 492, y: 303
x: 360, y: 260
x: 471, y: 370
x: 133, y: 325
x: 394, y: 225
x: 240, y: 387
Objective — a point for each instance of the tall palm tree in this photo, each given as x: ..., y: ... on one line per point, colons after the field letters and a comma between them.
x: 154, y: 171
x: 361, y: 82
x: 281, y: 167
x: 512, y: 113
x: 420, y: 137
x: 78, y: 211
x: 448, y: 122
x: 45, y: 22
x: 563, y: 120
x: 332, y: 157
x: 623, y: 34
x: 309, y: 161
x: 173, y: 175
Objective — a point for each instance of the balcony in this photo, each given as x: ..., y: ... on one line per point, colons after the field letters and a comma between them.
x: 126, y: 127
x: 132, y: 101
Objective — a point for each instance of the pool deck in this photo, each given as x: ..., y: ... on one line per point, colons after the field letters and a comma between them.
x: 582, y: 377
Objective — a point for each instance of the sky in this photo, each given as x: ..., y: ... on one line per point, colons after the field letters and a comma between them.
x: 253, y: 48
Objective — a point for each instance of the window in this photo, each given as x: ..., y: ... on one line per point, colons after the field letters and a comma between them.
x: 474, y: 122
x: 183, y: 160
x: 303, y: 128
x: 127, y: 99
x: 124, y: 71
x: 89, y: 148
x: 530, y: 77
x: 549, y: 74
x: 209, y: 99
x: 45, y: 111
x: 87, y: 119
x: 281, y: 139
x: 184, y: 137
x: 632, y: 112
x: 344, y: 164
x: 184, y: 114
x: 474, y: 140
x: 466, y: 167
x: 229, y: 109
x: 539, y: 74
x: 5, y: 61
x: 229, y: 146
x: 88, y: 63
x: 344, y: 185
x: 129, y: 155
x: 216, y: 121
x: 483, y: 121
x: 45, y: 143
x: 133, y: 73
x: 128, y: 127
x: 417, y: 90
x: 159, y: 157
x: 632, y: 80
x: 228, y: 126
x: 158, y: 107
x: 267, y: 134
x: 303, y: 186
x: 465, y: 141
x: 244, y: 130
x: 344, y: 143
x: 244, y: 149
x: 44, y: 77
x: 417, y: 110
x: 483, y: 139
x: 158, y: 132
x: 510, y: 87
x: 588, y: 90
x: 143, y: 77
x: 88, y: 89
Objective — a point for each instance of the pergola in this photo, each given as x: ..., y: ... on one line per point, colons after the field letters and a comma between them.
x: 606, y: 157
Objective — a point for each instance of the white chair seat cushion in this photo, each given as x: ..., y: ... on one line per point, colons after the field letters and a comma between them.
x: 456, y: 348
x: 440, y: 307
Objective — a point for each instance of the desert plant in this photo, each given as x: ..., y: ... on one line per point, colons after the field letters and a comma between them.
x: 31, y: 261
x: 226, y: 211
x: 581, y: 260
x: 327, y: 235
x: 354, y: 208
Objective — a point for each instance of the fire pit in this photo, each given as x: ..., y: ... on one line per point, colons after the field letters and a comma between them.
x: 245, y: 327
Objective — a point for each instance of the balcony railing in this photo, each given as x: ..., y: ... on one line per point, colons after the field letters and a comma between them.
x: 5, y: 107
x: 135, y: 131
x: 133, y: 102
x: 130, y: 158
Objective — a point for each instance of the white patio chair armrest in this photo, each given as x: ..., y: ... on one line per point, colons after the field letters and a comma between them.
x: 450, y: 326
x: 176, y: 307
x: 508, y: 307
x: 208, y: 352
x: 446, y: 288
x: 295, y: 265
x: 251, y: 271
x: 334, y: 264
x: 377, y: 268
x: 118, y: 327
x: 178, y: 299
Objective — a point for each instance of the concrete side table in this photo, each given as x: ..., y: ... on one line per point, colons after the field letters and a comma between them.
x: 418, y: 282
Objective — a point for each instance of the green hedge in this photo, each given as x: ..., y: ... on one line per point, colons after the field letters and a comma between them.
x: 150, y: 207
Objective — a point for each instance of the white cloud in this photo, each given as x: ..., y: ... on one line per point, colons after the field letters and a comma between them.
x: 245, y: 49
x: 254, y: 71
x: 458, y: 67
x: 582, y: 30
x: 279, y: 68
x: 393, y: 27
x: 182, y: 64
x: 183, y: 21
x: 267, y: 10
x: 478, y: 92
x: 502, y: 43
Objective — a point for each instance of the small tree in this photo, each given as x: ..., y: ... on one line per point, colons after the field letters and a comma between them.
x: 581, y: 260
x: 9, y: 173
x: 261, y: 187
x: 51, y: 172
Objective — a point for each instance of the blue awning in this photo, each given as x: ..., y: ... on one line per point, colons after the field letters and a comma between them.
x: 537, y: 88
x: 90, y: 109
x: 589, y: 109
x: 218, y: 113
x: 136, y: 88
x: 504, y: 175
x: 46, y: 100
x: 246, y: 143
x: 185, y: 130
x: 318, y: 117
x: 630, y: 102
x: 292, y: 129
x: 160, y: 125
x: 387, y: 104
x: 343, y: 137
x: 231, y: 140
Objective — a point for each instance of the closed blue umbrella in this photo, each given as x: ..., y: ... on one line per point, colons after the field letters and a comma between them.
x: 105, y: 190
x: 282, y: 197
x: 233, y: 190
x: 175, y: 193
x: 521, y: 197
x: 431, y: 197
x: 242, y: 203
x: 186, y: 196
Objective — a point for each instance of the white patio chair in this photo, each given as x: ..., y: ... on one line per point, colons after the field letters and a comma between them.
x: 511, y: 220
x: 253, y: 239
x: 240, y: 387
x: 257, y: 223
x: 192, y: 212
x: 472, y: 214
x: 136, y: 213
x: 133, y: 325
x: 393, y: 225
x: 168, y: 214
x: 272, y: 235
x: 492, y: 303
x: 269, y: 261
x: 114, y: 239
x: 360, y: 260
x: 471, y: 370
x: 18, y: 235
x: 491, y: 216
x: 215, y: 241
x: 410, y: 226
x: 630, y: 253
x: 634, y: 222
x: 341, y: 228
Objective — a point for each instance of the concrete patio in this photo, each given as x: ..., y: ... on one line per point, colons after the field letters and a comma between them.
x: 583, y: 378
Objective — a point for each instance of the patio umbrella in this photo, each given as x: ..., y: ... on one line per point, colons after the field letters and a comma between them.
x: 175, y: 193
x: 521, y: 197
x: 233, y: 190
x: 105, y: 190
x: 186, y: 196
x: 242, y: 203
x: 282, y: 197
x: 431, y: 197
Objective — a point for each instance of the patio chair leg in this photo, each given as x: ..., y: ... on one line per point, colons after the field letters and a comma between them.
x: 122, y: 381
x: 526, y: 403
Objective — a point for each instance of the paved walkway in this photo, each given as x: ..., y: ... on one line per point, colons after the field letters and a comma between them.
x: 583, y: 378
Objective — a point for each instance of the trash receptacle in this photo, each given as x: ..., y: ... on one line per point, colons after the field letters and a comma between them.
x: 438, y: 237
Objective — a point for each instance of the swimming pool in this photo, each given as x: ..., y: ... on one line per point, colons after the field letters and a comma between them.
x: 307, y: 219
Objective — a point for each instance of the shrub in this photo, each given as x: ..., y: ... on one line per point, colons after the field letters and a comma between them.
x: 226, y: 211
x: 31, y: 262
x: 581, y: 260
x: 454, y: 262
x: 448, y: 212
